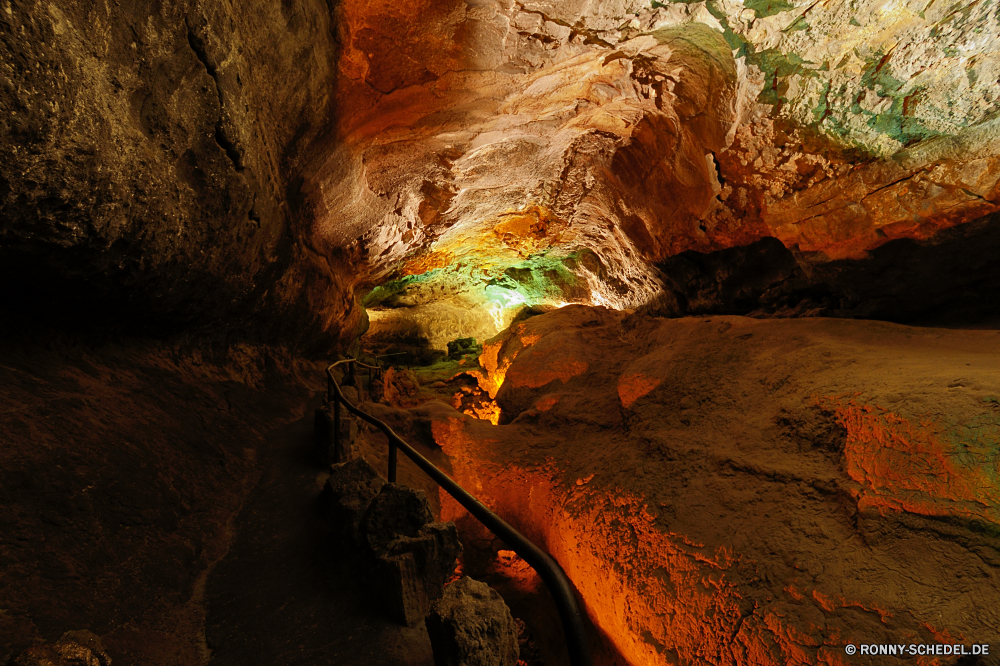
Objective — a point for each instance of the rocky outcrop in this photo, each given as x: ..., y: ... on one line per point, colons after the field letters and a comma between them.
x: 252, y: 163
x: 413, y: 555
x: 943, y: 280
x: 471, y: 626
x: 151, y: 164
x: 346, y: 495
x: 730, y: 490
x: 75, y: 648
x: 511, y: 153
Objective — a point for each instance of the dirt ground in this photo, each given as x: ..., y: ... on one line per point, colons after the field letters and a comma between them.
x: 163, y: 496
x: 721, y: 490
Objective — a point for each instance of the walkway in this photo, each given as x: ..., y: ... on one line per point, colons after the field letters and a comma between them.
x: 286, y: 594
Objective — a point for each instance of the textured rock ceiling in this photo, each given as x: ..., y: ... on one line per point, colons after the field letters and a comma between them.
x: 251, y: 166
x: 495, y: 153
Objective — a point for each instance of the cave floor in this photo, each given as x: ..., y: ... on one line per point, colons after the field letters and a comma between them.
x: 286, y: 593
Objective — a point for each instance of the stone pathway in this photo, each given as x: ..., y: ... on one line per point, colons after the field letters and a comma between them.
x: 286, y: 594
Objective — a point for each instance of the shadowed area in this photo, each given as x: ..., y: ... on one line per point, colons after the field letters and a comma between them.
x: 289, y: 592
x: 700, y: 294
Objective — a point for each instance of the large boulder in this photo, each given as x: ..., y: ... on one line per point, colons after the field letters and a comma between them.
x: 396, y: 512
x: 471, y: 626
x: 413, y: 556
x: 347, y: 493
x: 75, y: 648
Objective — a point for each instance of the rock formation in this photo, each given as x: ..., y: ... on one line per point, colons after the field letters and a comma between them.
x: 347, y: 494
x: 413, y: 555
x: 730, y: 490
x: 75, y: 648
x: 205, y: 191
x: 505, y: 153
x: 151, y: 164
x: 472, y: 626
x: 206, y: 164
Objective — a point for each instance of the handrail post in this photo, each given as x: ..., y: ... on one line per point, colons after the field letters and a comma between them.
x: 392, y: 461
x: 338, y: 447
x: 547, y: 568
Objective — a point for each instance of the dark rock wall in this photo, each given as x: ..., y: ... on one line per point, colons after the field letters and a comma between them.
x: 947, y: 280
x: 151, y: 152
x: 122, y: 468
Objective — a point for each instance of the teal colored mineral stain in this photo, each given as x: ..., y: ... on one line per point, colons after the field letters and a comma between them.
x: 798, y: 24
x: 777, y: 66
x: 386, y: 292
x: 819, y: 113
x: 891, y: 122
x: 876, y: 75
x: 504, y: 296
x: 545, y: 278
x: 762, y: 8
x: 781, y: 64
x: 971, y: 74
x: 539, y: 279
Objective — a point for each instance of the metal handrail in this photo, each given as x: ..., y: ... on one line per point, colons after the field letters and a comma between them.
x: 546, y: 567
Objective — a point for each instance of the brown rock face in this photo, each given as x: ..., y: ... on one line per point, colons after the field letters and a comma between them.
x: 472, y: 626
x: 75, y: 648
x: 151, y: 157
x: 122, y: 470
x: 247, y: 163
x: 495, y: 143
x: 727, y: 490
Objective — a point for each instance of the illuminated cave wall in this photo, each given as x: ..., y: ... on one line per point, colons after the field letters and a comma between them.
x: 261, y: 166
x: 728, y: 490
x: 452, y: 161
x: 499, y: 153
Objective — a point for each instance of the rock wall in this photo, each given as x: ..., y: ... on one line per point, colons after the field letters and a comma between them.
x: 493, y: 141
x: 725, y: 490
x: 206, y: 163
x: 122, y: 471
x: 151, y: 160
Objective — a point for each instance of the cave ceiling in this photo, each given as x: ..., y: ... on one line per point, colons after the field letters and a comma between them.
x: 493, y: 154
x: 444, y: 163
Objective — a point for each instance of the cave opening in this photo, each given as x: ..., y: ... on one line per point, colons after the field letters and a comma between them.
x: 699, y: 296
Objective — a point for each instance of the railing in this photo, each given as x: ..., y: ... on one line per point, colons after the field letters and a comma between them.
x: 546, y: 567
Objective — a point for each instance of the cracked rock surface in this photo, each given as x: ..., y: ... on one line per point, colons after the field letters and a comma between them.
x: 150, y: 161
x: 485, y: 145
x: 727, y: 490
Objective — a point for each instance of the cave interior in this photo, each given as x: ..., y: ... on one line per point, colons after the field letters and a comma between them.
x: 698, y: 295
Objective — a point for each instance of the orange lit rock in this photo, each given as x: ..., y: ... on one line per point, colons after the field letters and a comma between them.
x: 741, y: 519
x: 925, y: 468
x: 634, y: 386
x: 471, y: 138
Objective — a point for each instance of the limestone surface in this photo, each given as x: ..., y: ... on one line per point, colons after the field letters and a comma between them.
x: 471, y: 626
x: 727, y: 490
x: 506, y: 153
